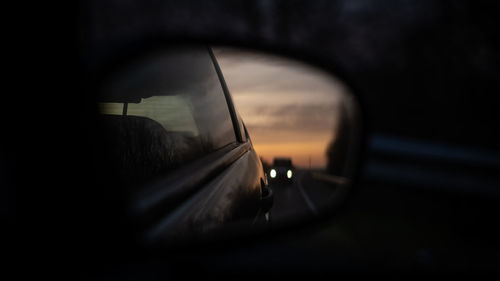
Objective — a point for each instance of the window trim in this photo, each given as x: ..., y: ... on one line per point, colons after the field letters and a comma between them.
x: 229, y: 100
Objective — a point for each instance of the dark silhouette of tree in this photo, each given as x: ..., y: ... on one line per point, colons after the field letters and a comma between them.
x: 337, y: 150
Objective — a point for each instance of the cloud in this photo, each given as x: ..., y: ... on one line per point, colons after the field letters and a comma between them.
x: 289, y: 108
x: 251, y: 72
x: 305, y: 118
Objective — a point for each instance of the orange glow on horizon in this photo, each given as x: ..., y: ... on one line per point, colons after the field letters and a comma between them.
x: 289, y: 108
x: 300, y: 152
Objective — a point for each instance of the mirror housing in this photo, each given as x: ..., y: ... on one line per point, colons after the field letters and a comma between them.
x: 301, y: 128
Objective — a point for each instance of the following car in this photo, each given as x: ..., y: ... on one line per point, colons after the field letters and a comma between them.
x: 282, y: 170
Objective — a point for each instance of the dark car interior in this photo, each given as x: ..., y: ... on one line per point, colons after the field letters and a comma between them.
x: 143, y: 149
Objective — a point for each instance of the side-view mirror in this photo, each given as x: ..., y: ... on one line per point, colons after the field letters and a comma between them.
x: 204, y: 141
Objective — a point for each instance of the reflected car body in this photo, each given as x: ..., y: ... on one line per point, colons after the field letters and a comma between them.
x: 282, y: 171
x: 174, y: 139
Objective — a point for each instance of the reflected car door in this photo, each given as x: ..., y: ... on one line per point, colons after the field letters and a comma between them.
x: 191, y: 188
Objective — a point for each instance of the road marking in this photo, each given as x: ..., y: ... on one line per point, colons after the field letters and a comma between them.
x: 329, y: 178
x: 305, y: 196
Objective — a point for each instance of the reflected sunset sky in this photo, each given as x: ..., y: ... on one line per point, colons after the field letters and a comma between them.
x: 289, y: 108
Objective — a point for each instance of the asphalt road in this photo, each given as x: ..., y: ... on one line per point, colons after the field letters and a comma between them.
x: 308, y: 193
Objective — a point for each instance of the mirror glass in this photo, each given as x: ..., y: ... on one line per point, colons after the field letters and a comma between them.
x: 303, y: 124
x: 206, y: 139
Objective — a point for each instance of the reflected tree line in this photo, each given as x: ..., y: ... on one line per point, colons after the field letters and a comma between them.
x: 337, y: 150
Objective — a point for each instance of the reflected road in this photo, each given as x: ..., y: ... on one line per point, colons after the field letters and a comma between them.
x: 309, y: 192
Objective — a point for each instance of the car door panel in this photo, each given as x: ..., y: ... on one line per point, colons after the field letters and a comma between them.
x: 233, y: 195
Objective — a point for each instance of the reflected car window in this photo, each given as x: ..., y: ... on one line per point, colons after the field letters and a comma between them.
x: 164, y: 111
x: 173, y: 113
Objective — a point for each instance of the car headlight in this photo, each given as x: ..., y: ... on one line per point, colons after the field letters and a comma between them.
x: 289, y: 174
x: 273, y: 173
